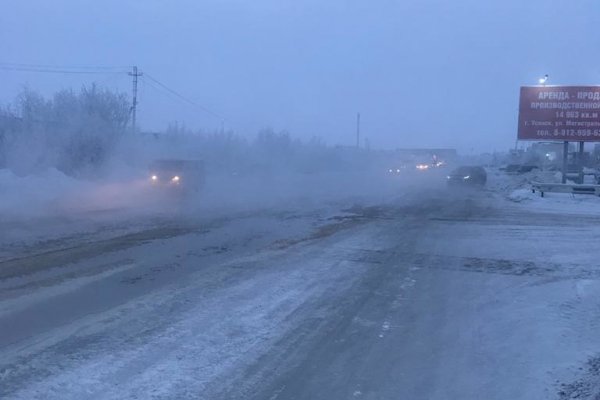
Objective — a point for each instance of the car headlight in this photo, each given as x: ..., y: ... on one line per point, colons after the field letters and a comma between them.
x: 175, y: 179
x: 467, y: 177
x: 154, y: 177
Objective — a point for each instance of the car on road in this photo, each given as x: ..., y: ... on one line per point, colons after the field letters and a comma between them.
x: 177, y: 176
x: 397, y: 169
x: 467, y: 176
x: 430, y: 164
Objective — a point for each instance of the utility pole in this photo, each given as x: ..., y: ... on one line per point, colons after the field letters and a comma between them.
x: 357, y: 130
x: 135, y: 75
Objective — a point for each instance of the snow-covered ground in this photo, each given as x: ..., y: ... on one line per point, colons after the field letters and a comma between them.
x: 562, y: 203
x: 517, y: 189
x: 412, y: 292
x: 50, y: 210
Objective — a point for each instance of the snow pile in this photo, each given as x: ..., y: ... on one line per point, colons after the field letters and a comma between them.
x: 51, y: 208
x: 517, y: 189
x: 520, y: 195
x: 557, y: 202
x: 505, y: 184
x: 36, y: 194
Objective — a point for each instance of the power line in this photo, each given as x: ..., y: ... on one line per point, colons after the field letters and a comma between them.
x: 57, y: 71
x: 175, y: 98
x: 65, y: 67
x: 160, y: 90
x: 180, y: 96
x: 107, y: 70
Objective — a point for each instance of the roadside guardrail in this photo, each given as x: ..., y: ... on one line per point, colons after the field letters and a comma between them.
x: 573, y: 188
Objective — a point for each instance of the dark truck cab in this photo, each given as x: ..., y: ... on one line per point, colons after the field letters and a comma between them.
x: 179, y: 176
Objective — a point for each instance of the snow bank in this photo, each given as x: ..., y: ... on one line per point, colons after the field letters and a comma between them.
x: 517, y: 189
x: 52, y: 209
x: 505, y: 184
x: 557, y: 202
x: 51, y: 193
x: 36, y: 194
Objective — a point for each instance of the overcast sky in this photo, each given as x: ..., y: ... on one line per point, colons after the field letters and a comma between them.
x: 422, y: 73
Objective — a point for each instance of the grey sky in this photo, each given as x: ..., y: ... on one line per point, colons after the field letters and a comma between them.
x: 422, y: 72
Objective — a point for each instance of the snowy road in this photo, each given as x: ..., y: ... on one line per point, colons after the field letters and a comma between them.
x: 430, y: 297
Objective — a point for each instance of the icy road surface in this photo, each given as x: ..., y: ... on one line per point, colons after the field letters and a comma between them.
x: 429, y: 297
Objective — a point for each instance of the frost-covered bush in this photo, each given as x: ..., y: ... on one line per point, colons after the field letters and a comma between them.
x: 80, y: 132
x: 72, y: 131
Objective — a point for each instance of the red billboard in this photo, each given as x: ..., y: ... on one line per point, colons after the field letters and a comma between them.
x: 562, y: 113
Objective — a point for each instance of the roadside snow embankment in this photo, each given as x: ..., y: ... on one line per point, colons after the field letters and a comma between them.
x: 557, y: 202
x: 50, y: 206
x: 503, y: 183
x: 36, y: 195
x: 517, y: 189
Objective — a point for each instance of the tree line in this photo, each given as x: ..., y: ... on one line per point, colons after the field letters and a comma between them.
x: 79, y: 132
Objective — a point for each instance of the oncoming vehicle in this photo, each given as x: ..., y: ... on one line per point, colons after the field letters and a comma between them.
x: 467, y: 175
x: 424, y: 166
x: 179, y: 176
x: 396, y: 170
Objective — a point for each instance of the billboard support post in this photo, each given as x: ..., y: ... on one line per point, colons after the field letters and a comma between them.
x: 565, y: 159
x: 580, y: 162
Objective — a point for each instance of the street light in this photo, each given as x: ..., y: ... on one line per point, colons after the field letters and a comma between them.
x: 544, y: 80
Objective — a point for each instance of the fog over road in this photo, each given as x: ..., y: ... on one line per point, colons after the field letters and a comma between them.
x: 428, y: 296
